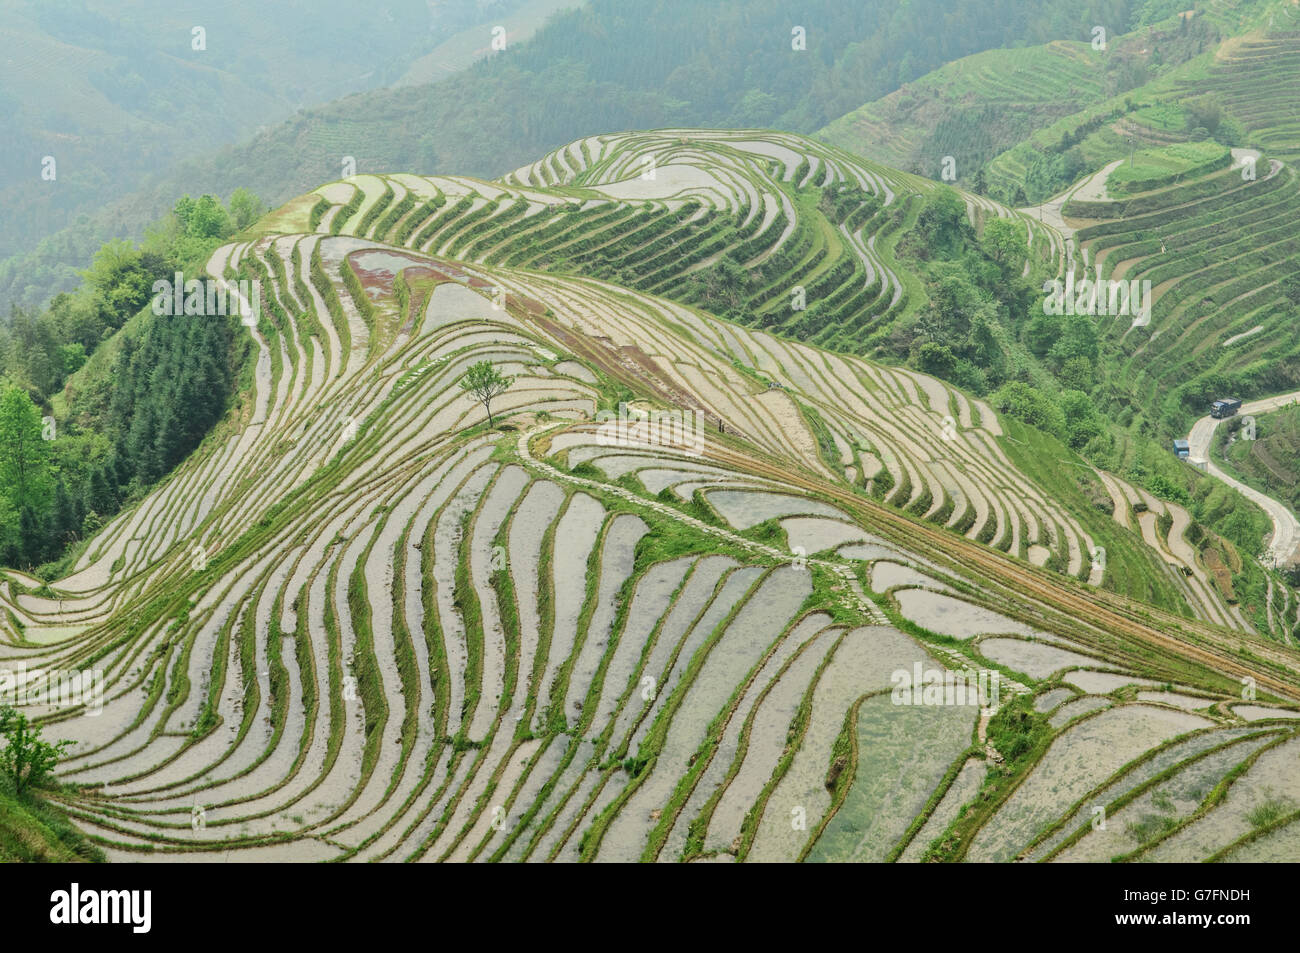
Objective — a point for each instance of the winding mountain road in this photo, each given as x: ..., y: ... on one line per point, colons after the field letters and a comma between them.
x: 1286, y: 528
x: 1091, y: 188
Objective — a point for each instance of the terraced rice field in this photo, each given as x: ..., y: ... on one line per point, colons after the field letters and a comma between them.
x: 1216, y: 249
x: 1251, y: 78
x: 359, y: 624
x: 1016, y: 92
x: 655, y: 210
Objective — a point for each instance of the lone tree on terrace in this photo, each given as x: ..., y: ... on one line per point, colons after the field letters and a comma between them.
x: 26, y: 759
x: 486, y: 383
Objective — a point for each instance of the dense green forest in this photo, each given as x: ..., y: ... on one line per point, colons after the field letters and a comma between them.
x: 983, y: 327
x: 90, y: 418
x: 607, y: 67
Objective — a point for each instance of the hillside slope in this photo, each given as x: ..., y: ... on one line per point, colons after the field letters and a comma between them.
x: 734, y: 221
x: 32, y: 832
x: 1139, y: 185
x: 600, y: 68
x: 1020, y: 124
x: 360, y: 624
x: 976, y: 107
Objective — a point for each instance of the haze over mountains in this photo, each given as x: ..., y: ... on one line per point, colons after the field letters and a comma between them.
x: 120, y: 93
x: 607, y: 66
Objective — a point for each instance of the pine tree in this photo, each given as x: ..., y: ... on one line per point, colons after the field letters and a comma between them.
x: 26, y: 477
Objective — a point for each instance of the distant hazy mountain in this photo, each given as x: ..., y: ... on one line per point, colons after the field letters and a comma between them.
x: 96, y: 96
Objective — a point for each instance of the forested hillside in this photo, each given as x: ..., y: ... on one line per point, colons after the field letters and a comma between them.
x: 99, y: 397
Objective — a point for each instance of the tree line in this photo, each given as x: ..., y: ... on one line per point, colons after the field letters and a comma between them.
x: 100, y: 398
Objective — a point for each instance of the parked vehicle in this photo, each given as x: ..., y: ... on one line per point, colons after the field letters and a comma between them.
x: 1225, y: 408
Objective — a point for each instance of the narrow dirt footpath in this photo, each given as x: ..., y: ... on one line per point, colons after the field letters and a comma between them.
x: 855, y: 595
